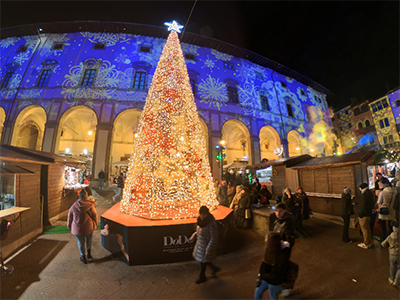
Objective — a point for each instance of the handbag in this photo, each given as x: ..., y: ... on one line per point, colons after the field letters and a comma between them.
x: 247, y: 213
x: 384, y: 210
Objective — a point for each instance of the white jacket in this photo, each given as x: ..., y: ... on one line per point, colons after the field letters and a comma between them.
x: 387, y: 197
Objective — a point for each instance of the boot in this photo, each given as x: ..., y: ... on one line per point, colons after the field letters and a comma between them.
x: 200, y: 279
x: 83, y: 259
x: 89, y: 256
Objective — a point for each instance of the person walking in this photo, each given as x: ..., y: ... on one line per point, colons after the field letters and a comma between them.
x: 347, y: 211
x: 206, y: 237
x: 392, y: 241
x: 82, y: 221
x: 284, y: 224
x: 120, y: 186
x: 101, y: 176
x: 273, y: 267
x: 366, y: 206
x: 387, y: 213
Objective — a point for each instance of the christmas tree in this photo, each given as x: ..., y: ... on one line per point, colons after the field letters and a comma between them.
x: 169, y: 175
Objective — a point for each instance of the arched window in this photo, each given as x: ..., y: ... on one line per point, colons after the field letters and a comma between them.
x: 360, y: 125
x: 357, y: 111
x: 386, y: 122
x: 140, y: 80
x: 381, y: 124
x: 367, y: 123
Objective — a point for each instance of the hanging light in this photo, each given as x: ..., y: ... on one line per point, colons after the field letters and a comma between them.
x: 67, y: 150
x: 90, y: 132
x: 297, y: 148
x: 85, y: 152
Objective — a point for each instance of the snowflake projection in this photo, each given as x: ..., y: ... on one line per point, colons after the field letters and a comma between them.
x: 190, y: 49
x: 249, y: 99
x: 109, y: 39
x: 132, y: 95
x: 12, y: 90
x: 273, y: 102
x: 106, y: 81
x: 222, y: 56
x: 239, y: 118
x: 213, y: 92
x: 156, y: 45
x: 204, y: 115
x: 292, y: 99
x: 52, y: 39
x: 209, y: 63
x: 289, y: 79
x: 121, y: 106
x: 11, y: 41
x: 25, y: 103
x: 299, y: 93
x: 31, y: 94
x: 126, y: 79
x: 121, y: 58
x: 21, y: 57
x: 245, y: 73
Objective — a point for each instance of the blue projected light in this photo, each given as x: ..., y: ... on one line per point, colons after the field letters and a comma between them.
x: 174, y: 26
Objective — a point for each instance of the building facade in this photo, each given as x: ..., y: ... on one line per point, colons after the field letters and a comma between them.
x: 79, y: 88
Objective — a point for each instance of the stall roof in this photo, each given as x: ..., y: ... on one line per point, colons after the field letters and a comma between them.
x: 121, y: 163
x: 337, y: 161
x: 17, y: 153
x: 287, y: 161
x: 7, y: 168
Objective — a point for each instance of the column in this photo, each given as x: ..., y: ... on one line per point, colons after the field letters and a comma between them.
x: 102, y: 146
x: 49, y: 137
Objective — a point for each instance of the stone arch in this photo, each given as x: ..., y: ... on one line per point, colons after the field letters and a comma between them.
x: 29, y: 128
x: 77, y: 131
x: 237, y: 141
x: 2, y: 119
x: 269, y: 140
x: 294, y: 143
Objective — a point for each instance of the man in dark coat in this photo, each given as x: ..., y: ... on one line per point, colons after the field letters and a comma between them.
x: 347, y: 211
x: 101, y: 176
x: 120, y: 186
x: 222, y: 194
x: 284, y: 224
x: 366, y: 206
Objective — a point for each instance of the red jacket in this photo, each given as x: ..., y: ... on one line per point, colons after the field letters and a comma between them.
x: 82, y: 217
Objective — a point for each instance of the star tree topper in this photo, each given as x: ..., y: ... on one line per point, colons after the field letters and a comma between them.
x: 174, y: 26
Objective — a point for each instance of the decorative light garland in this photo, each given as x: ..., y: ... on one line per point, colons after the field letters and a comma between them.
x: 169, y: 175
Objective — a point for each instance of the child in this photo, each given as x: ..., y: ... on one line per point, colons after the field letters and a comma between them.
x: 393, y: 242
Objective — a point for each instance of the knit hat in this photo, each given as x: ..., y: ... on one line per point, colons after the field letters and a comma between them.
x: 204, y: 210
x: 300, y: 188
x: 363, y: 185
x: 347, y: 191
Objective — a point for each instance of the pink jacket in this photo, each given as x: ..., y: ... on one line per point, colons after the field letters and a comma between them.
x: 82, y: 217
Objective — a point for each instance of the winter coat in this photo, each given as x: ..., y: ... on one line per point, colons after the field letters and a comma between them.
x: 207, y: 239
x: 347, y: 206
x: 101, y: 175
x: 367, y: 203
x: 120, y: 182
x: 305, y: 204
x: 276, y: 274
x: 387, y: 198
x: 290, y: 203
x: 231, y: 193
x: 285, y: 227
x: 392, y: 241
x: 239, y: 212
x: 222, y: 195
x: 82, y: 217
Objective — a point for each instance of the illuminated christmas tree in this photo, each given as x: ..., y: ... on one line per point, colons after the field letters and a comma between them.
x: 169, y: 175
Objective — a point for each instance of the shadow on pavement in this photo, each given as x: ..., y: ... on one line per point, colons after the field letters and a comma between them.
x: 28, y: 265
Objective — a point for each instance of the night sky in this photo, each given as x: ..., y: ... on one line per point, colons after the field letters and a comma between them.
x: 351, y: 48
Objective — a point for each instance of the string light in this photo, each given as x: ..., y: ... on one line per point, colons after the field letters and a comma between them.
x: 169, y: 175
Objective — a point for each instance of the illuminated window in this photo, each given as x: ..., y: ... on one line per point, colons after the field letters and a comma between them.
x: 360, y: 125
x: 386, y: 122
x: 385, y: 104
x: 233, y: 94
x: 193, y: 85
x: 140, y: 80
x: 290, y: 110
x: 374, y: 108
x: 259, y: 76
x: 145, y: 49
x: 379, y: 105
x: 99, y: 46
x: 88, y: 77
x: 44, y: 78
x: 367, y: 123
x: 7, y: 81
x: 190, y: 57
x: 229, y: 66
x: 57, y: 46
x: 381, y: 124
x: 22, y: 48
x: 264, y: 102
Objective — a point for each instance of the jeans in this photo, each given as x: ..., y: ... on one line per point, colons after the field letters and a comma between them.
x: 274, y: 290
x: 366, y: 230
x: 84, y: 241
x: 101, y: 183
x: 119, y: 193
x: 394, y: 268
x: 346, y: 223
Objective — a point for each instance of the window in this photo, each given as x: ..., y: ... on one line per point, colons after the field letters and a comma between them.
x: 44, y: 78
x: 259, y: 76
x: 357, y: 111
x: 385, y: 140
x: 317, y: 99
x: 232, y: 94
x: 140, y: 80
x: 145, y: 49
x: 385, y: 104
x: 289, y: 109
x: 374, y: 108
x: 190, y: 56
x: 302, y: 92
x: 57, y: 46
x: 360, y: 125
x: 381, y: 124
x: 88, y: 77
x: 386, y: 122
x: 22, y: 48
x: 7, y: 81
x: 367, y: 123
x: 379, y: 105
x: 398, y: 102
x: 229, y: 66
x: 193, y: 84
x: 390, y: 138
x: 264, y: 102
x: 99, y: 46
x: 283, y: 85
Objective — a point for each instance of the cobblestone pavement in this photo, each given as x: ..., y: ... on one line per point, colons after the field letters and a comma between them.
x: 49, y: 268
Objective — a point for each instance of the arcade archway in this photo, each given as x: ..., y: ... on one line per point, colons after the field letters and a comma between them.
x: 237, y: 141
x: 294, y: 143
x: 29, y: 128
x: 77, y: 131
x: 269, y: 140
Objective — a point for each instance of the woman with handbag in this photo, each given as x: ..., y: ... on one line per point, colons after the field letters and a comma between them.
x: 273, y: 269
x: 387, y: 213
x: 347, y: 211
x: 240, y: 218
x: 82, y: 221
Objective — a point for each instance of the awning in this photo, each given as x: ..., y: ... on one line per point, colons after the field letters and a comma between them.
x: 122, y: 163
x: 236, y: 165
x: 11, y: 169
